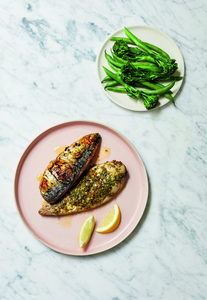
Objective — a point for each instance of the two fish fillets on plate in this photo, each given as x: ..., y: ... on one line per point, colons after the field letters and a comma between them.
x: 70, y: 185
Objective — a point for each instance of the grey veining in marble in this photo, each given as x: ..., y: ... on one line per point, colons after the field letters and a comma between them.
x: 48, y: 76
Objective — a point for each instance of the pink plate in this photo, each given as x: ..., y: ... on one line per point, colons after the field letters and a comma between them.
x: 61, y: 233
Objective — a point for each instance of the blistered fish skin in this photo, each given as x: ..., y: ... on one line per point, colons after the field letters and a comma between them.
x: 68, y: 166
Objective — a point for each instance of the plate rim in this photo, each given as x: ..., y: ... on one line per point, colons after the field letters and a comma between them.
x: 27, y: 151
x: 139, y: 26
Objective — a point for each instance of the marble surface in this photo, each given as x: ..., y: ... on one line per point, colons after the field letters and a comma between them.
x: 48, y: 76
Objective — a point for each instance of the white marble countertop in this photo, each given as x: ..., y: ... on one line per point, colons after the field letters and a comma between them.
x: 47, y: 77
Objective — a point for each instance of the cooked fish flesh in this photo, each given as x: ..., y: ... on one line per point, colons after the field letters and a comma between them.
x: 68, y: 166
x: 99, y: 184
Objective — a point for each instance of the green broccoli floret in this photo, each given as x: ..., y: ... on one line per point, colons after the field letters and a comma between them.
x: 130, y: 74
x: 121, y: 49
x: 150, y: 101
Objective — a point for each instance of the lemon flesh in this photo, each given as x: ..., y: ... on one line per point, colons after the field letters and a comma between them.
x: 111, y: 220
x: 86, y: 231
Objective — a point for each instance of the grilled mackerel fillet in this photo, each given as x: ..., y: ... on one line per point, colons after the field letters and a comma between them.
x: 100, y: 183
x: 63, y: 172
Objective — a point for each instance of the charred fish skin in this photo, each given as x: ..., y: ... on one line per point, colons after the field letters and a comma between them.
x: 68, y: 166
x: 99, y: 184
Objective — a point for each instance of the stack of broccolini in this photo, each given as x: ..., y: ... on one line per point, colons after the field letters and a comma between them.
x: 144, y: 66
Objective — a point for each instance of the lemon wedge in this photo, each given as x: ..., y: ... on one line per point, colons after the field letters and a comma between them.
x: 111, y: 220
x: 86, y: 231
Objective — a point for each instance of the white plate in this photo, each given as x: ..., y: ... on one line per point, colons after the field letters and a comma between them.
x: 152, y: 36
